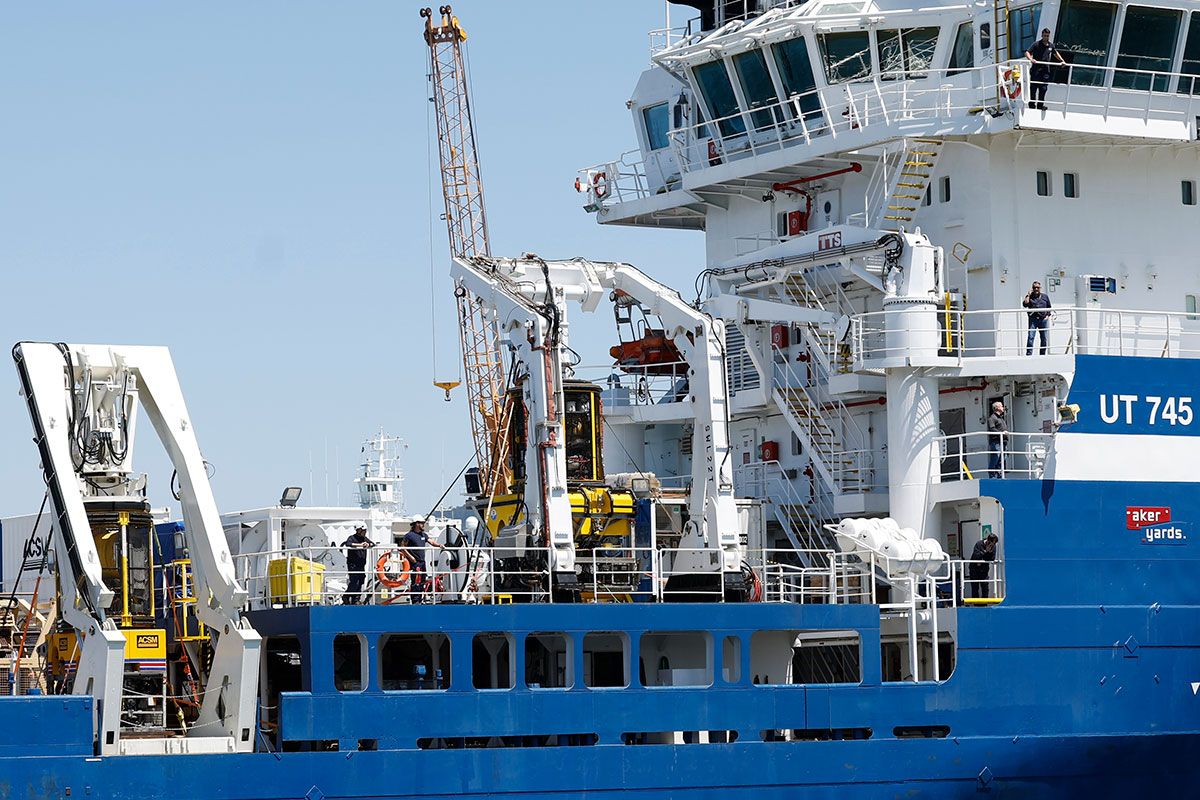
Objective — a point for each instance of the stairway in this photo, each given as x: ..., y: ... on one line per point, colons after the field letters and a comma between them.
x: 912, y: 177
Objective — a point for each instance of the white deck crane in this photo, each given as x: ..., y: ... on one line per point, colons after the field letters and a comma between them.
x: 523, y: 290
x: 83, y: 401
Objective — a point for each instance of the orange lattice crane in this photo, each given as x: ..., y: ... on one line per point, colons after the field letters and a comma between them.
x: 466, y: 220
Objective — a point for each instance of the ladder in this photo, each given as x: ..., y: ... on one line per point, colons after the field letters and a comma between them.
x: 1001, y: 46
x: 912, y: 179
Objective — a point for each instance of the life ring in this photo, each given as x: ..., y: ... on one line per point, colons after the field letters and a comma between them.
x: 1011, y: 83
x: 393, y: 569
x: 600, y: 184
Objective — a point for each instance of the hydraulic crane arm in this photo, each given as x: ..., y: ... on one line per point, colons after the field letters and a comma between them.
x: 82, y: 400
x: 533, y: 319
x: 700, y: 339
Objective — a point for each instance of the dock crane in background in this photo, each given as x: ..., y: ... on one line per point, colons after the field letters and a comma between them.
x: 466, y: 222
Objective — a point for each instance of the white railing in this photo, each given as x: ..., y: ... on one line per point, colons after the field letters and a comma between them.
x: 979, y: 454
x: 766, y: 480
x: 911, y: 104
x: 956, y: 587
x: 889, y: 99
x: 639, y: 386
x: 1006, y: 333
x: 662, y: 38
x: 1138, y: 94
x: 494, y: 575
x: 616, y: 181
x: 833, y: 435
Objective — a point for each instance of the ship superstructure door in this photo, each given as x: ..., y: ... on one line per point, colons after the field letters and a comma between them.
x: 953, y: 422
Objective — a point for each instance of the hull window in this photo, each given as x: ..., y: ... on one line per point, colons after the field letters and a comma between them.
x: 606, y: 660
x: 491, y: 661
x: 676, y: 659
x: 414, y: 661
x: 548, y: 661
x: 349, y: 666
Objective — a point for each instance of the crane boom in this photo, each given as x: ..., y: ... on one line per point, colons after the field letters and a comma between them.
x: 466, y: 221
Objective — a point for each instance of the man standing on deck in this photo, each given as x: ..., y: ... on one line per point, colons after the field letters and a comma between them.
x: 997, y: 426
x: 414, y: 543
x: 1039, y: 318
x: 980, y: 567
x: 1041, y: 54
x: 356, y: 565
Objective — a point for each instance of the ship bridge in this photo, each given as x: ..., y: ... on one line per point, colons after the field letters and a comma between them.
x: 782, y: 92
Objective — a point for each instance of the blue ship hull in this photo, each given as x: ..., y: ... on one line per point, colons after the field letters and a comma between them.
x: 1029, y: 767
x: 1080, y: 684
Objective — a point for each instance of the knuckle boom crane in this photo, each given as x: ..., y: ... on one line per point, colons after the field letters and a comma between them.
x: 83, y: 401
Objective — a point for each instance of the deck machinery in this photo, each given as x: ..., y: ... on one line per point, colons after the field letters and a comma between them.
x: 160, y: 686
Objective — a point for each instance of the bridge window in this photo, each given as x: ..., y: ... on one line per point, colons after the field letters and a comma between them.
x: 548, y: 661
x: 962, y: 55
x: 985, y: 37
x: 757, y: 87
x: 605, y: 660
x: 796, y: 75
x: 657, y: 120
x: 847, y: 56
x: 1191, y: 59
x: 944, y: 193
x: 906, y: 53
x: 676, y: 659
x: 1084, y: 32
x: 1070, y: 184
x: 1189, y: 305
x: 1022, y: 29
x: 1043, y: 184
x: 414, y: 661
x: 713, y: 80
x: 1147, y: 43
x: 349, y: 666
x: 491, y: 661
x: 1189, y: 193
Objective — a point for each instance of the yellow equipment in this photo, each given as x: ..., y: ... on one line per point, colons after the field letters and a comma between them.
x: 146, y: 645
x: 295, y: 580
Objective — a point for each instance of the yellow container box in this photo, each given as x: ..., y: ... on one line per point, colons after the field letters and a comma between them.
x: 145, y: 644
x: 295, y: 580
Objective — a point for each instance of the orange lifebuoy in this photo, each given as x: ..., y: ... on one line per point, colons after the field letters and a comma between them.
x: 600, y: 184
x: 1012, y: 83
x: 393, y: 569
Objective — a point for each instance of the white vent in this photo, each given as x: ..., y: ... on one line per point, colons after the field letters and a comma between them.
x: 739, y: 369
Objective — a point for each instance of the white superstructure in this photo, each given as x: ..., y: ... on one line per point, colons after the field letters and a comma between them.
x: 882, y: 163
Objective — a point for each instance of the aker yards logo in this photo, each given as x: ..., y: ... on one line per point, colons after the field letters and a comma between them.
x: 1155, y: 525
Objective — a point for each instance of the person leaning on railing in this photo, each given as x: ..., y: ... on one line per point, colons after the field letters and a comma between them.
x: 1041, y: 54
x: 980, y: 568
x: 1039, y: 318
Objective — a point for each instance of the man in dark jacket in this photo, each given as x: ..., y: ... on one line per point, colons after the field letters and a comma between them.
x: 1042, y: 53
x: 356, y: 565
x: 980, y: 567
x: 415, y: 542
x: 1039, y: 318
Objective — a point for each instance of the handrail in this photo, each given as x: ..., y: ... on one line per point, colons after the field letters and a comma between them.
x: 887, y: 99
x: 1003, y: 461
x: 1004, y: 332
x: 847, y: 440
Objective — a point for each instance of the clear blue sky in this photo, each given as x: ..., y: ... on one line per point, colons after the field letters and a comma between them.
x: 247, y: 184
